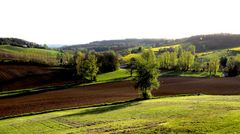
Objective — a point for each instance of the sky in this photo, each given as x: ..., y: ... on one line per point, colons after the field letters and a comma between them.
x: 81, y: 21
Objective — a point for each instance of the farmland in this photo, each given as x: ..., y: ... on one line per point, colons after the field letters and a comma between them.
x: 13, y: 77
x: 115, y: 91
x: 187, y: 114
x: 84, y: 91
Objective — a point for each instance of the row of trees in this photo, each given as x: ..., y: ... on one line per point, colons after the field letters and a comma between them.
x: 88, y: 64
x: 177, y: 59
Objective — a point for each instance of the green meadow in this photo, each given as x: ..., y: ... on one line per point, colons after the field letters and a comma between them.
x: 180, y: 114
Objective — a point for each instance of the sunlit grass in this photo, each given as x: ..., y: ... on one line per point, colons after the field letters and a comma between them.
x: 189, y: 114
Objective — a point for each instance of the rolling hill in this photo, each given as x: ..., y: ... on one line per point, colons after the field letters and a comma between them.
x: 203, y: 43
x: 19, y: 43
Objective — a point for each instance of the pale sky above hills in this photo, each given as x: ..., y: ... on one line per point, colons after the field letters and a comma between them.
x: 83, y: 21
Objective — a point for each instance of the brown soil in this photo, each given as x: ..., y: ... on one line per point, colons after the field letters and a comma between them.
x: 117, y: 91
x: 14, y: 77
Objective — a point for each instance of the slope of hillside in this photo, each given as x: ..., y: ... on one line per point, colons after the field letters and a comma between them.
x: 119, y: 44
x: 36, y: 55
x: 19, y: 43
x: 203, y: 43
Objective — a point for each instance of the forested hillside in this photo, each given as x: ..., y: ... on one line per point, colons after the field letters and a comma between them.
x: 19, y: 43
x: 119, y: 44
x: 203, y: 43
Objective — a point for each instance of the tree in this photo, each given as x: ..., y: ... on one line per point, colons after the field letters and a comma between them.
x: 189, y: 47
x: 80, y: 57
x: 91, y: 67
x: 233, y: 65
x: 60, y: 58
x: 214, y: 66
x: 132, y: 65
x: 149, y: 56
x: 186, y: 60
x: 108, y: 61
x: 147, y: 74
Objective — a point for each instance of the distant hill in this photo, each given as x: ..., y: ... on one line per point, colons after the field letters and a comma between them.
x: 203, y: 43
x: 19, y: 43
x: 119, y: 44
x: 211, y: 42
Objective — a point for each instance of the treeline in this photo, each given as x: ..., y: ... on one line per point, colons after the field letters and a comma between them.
x: 183, y: 58
x: 19, y: 43
x: 118, y: 45
x: 86, y: 65
x: 211, y: 42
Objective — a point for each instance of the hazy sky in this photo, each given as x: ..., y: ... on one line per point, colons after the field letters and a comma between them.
x: 82, y: 21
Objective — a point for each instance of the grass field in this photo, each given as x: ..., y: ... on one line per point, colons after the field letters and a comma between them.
x: 16, y: 50
x: 188, y: 74
x: 155, y: 49
x: 28, y: 54
x: 186, y: 114
x: 235, y: 49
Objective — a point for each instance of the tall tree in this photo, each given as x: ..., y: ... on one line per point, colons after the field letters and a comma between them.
x: 91, y: 67
x: 214, y: 66
x: 147, y: 74
x: 80, y: 57
x: 186, y: 60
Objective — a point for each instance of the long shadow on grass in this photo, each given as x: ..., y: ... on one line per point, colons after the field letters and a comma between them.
x: 108, y: 108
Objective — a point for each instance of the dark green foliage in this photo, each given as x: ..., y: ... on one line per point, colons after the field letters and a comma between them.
x: 233, y: 65
x: 137, y: 50
x: 86, y: 66
x: 132, y: 65
x: 108, y: 61
x: 205, y: 43
x: 223, y: 62
x: 147, y: 74
x: 19, y: 43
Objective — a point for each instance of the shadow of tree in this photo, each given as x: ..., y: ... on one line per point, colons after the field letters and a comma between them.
x: 107, y: 108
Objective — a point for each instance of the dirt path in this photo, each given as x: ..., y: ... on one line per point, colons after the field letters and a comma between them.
x: 117, y: 91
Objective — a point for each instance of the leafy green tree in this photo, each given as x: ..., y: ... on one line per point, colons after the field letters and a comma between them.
x: 91, y: 67
x: 132, y: 65
x: 80, y: 57
x: 214, y: 66
x: 149, y: 56
x: 173, y: 60
x: 108, y: 61
x: 186, y: 60
x: 68, y: 58
x: 189, y: 47
x: 147, y: 74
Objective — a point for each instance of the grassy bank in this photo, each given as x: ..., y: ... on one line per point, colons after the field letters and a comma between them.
x: 188, y: 74
x: 15, y: 53
x: 188, y: 114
